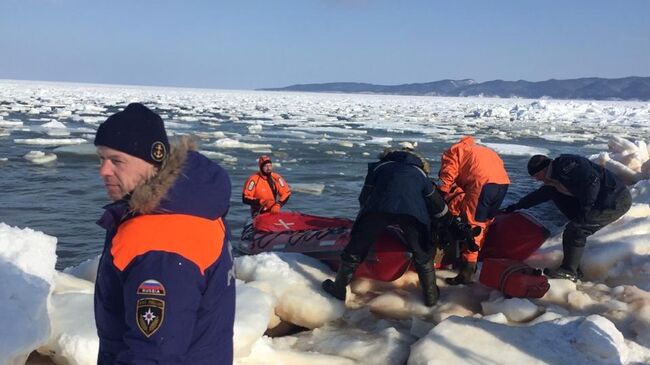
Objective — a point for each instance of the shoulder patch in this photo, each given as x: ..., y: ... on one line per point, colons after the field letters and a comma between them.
x: 151, y: 287
x: 251, y: 185
x: 281, y: 181
x: 150, y: 313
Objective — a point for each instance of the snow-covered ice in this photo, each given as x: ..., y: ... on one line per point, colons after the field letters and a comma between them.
x: 27, y: 261
x: 40, y: 157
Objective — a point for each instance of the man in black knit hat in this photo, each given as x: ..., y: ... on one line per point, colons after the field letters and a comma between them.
x: 165, y: 288
x: 589, y: 195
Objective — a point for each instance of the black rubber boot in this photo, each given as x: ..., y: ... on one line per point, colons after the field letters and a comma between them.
x: 427, y: 275
x: 344, y: 276
x: 465, y: 273
x: 570, y: 268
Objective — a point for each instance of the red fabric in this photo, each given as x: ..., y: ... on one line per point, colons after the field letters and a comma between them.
x: 387, y: 261
x: 513, y: 278
x: 513, y: 236
x: 291, y: 221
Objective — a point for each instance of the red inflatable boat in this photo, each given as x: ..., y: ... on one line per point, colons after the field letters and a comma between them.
x: 324, y: 238
x: 514, y: 235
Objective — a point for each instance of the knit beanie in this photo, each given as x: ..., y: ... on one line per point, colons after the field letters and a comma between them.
x: 137, y: 131
x: 537, y: 163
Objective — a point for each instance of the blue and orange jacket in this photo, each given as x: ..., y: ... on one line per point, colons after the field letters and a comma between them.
x: 165, y: 288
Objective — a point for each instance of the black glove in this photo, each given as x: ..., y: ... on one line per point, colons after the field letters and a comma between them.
x: 464, y: 233
x: 445, y: 237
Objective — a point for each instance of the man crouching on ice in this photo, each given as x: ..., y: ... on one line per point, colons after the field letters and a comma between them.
x: 397, y: 191
x: 165, y: 290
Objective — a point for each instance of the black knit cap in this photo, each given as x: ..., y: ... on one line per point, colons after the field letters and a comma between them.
x: 537, y: 163
x: 137, y: 131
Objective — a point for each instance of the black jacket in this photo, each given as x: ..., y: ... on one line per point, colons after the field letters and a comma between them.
x: 593, y: 186
x: 397, y: 184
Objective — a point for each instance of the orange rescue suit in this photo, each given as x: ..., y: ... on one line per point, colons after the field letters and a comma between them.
x: 466, y: 170
x: 261, y: 193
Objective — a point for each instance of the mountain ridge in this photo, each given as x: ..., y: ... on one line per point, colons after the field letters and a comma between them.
x: 591, y: 88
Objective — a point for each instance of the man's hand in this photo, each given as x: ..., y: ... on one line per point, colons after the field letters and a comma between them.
x: 275, y: 209
x: 465, y: 233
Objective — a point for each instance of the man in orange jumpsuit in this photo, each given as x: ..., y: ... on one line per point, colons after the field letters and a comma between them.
x: 474, y: 183
x: 265, y: 191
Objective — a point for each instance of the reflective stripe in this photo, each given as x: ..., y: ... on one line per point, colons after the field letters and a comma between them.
x: 381, y: 164
x: 444, y: 211
x: 199, y: 240
x: 421, y: 171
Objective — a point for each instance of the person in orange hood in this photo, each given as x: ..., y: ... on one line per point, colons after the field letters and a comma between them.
x: 474, y: 183
x: 265, y: 191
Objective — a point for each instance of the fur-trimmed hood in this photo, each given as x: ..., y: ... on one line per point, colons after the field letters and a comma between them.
x: 186, y: 183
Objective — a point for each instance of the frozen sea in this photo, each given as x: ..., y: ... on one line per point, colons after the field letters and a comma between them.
x: 51, y: 196
x: 319, y: 142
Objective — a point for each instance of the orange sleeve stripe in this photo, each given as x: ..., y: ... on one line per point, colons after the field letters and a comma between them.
x: 199, y: 240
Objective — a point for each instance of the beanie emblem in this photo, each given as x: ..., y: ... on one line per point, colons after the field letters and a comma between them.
x: 158, y: 151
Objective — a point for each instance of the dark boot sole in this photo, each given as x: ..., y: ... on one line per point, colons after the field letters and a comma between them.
x: 552, y: 274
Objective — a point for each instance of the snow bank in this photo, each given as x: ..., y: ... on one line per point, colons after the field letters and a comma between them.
x: 27, y: 260
x: 458, y: 340
x: 253, y: 313
x: 629, y: 160
x: 294, y: 281
x: 74, y: 338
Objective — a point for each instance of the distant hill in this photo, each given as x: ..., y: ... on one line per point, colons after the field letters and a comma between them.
x: 627, y: 88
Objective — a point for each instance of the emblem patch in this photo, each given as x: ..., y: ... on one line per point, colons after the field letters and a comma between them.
x: 149, y: 313
x: 158, y: 151
x: 251, y: 185
x: 151, y: 287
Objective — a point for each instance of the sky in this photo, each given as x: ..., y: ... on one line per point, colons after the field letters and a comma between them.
x: 248, y: 44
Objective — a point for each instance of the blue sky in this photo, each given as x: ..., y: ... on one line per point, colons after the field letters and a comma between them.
x: 243, y: 44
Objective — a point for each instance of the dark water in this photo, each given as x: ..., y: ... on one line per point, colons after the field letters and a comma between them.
x: 64, y: 198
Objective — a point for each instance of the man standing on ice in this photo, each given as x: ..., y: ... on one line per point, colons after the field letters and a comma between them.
x: 396, y: 191
x: 265, y: 191
x: 474, y: 182
x: 589, y: 195
x: 165, y: 290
